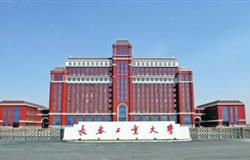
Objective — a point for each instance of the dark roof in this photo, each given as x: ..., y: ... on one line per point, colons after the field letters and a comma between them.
x: 20, y: 102
x: 221, y: 102
x: 122, y: 42
x: 59, y: 69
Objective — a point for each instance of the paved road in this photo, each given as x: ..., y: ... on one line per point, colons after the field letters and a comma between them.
x: 198, y: 150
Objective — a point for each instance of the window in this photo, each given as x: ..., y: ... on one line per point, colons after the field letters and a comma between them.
x: 98, y: 118
x: 57, y: 120
x: 225, y: 114
x: 58, y: 77
x: 5, y: 111
x: 145, y: 118
x: 108, y: 118
x: 79, y: 119
x: 16, y: 114
x: 136, y: 118
x: 89, y: 118
x: 187, y: 119
x: 236, y: 115
x: 164, y: 118
x: 122, y: 51
x: 173, y: 118
x: 155, y: 118
x: 122, y: 113
x: 9, y: 116
x: 232, y: 115
x: 70, y: 120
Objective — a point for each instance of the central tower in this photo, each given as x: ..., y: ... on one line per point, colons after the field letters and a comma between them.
x: 122, y: 80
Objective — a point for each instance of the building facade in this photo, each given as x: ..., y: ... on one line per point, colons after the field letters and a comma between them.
x: 22, y: 114
x: 121, y: 88
x: 222, y: 113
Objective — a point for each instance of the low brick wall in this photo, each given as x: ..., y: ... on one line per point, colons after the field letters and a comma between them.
x: 30, y: 134
x: 219, y: 133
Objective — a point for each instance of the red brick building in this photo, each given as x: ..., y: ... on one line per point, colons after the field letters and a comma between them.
x: 222, y: 113
x: 22, y: 114
x: 121, y: 88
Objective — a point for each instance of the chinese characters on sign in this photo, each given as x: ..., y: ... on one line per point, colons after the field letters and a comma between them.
x: 135, y: 130
x: 82, y: 131
x: 152, y: 130
x: 118, y: 130
x: 100, y: 130
x: 170, y: 128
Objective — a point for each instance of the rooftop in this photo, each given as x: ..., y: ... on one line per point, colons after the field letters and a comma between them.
x: 122, y: 42
x: 21, y: 102
x: 221, y: 102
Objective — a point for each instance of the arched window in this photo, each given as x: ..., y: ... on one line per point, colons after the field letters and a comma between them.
x: 122, y: 113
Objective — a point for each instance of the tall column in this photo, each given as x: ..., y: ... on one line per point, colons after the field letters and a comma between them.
x: 122, y: 50
x: 130, y: 84
x: 192, y: 103
x: 114, y: 81
x: 64, y: 102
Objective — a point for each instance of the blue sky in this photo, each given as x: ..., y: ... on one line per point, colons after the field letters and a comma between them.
x: 211, y: 38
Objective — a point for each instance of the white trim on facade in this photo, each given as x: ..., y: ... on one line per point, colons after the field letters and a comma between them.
x: 186, y: 113
x: 185, y: 81
x: 56, y: 81
x: 83, y: 114
x: 153, y: 79
x: 199, y: 114
x: 216, y: 120
x: 81, y: 62
x: 154, y: 63
x: 89, y: 79
x: 221, y: 120
x: 42, y: 114
x: 156, y: 113
x: 123, y: 58
x: 28, y: 121
x: 140, y: 114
